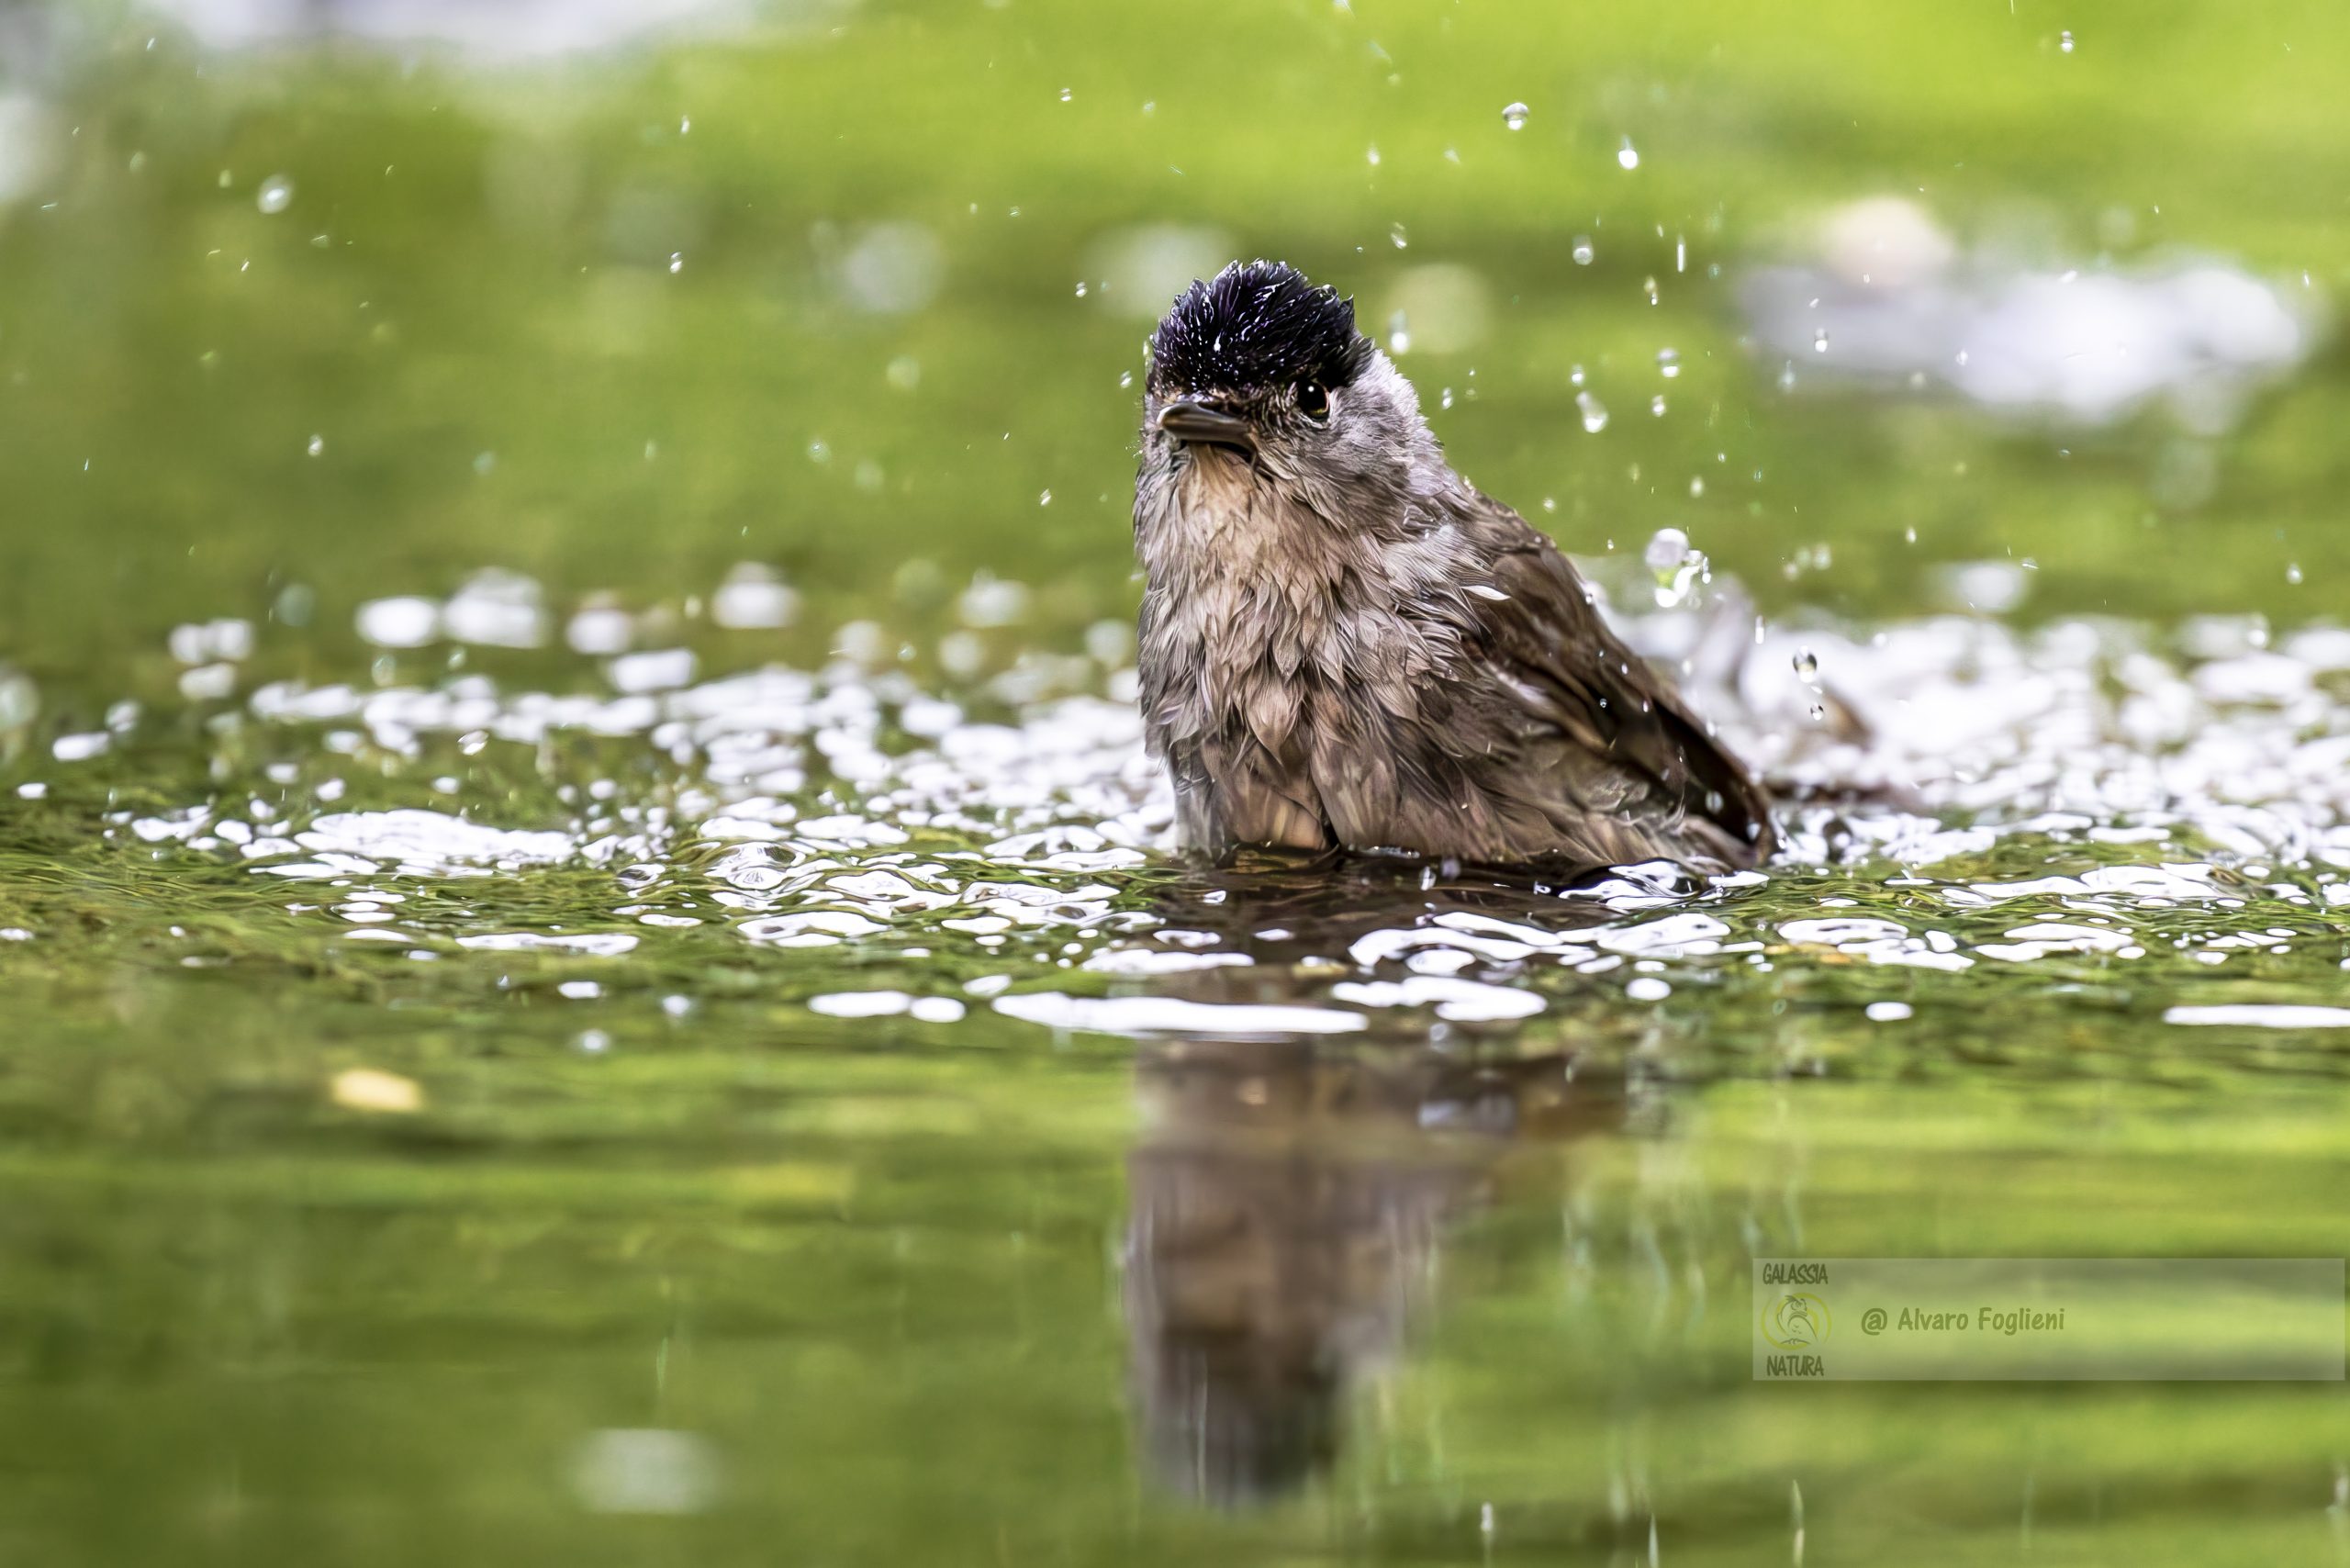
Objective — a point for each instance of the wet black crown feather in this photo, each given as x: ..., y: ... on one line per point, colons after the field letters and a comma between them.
x: 1257, y: 324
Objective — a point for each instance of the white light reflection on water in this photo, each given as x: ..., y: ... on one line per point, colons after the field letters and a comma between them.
x: 623, y: 1470
x: 2171, y: 782
x: 1171, y: 1015
x: 2253, y: 1016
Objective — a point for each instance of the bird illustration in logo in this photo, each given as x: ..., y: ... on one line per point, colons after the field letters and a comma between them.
x: 1796, y: 1322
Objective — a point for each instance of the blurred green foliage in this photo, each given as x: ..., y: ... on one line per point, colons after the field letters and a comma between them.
x: 470, y: 299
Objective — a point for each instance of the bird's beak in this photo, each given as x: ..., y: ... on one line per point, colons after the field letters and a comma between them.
x: 1187, y: 419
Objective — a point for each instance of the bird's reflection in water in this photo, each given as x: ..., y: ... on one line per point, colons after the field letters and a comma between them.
x: 1281, y: 908
x: 1288, y: 1197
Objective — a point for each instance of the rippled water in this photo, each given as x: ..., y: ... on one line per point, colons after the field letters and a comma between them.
x: 717, y: 948
x: 2133, y: 819
x: 590, y: 956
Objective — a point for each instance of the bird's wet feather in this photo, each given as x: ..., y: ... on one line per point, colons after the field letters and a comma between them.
x: 1346, y: 645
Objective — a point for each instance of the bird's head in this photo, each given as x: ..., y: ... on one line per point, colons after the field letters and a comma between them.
x: 1257, y: 369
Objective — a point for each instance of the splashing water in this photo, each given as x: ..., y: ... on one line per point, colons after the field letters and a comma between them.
x: 1678, y: 569
x: 2074, y: 797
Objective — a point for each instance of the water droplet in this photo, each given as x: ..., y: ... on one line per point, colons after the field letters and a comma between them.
x: 1808, y: 665
x: 1065, y: 94
x: 317, y: 445
x: 1583, y: 251
x: 1626, y: 156
x: 1046, y: 499
x: 275, y: 196
x: 2065, y: 42
x: 2293, y: 574
x: 1819, y: 711
x: 1648, y: 286
x: 819, y: 452
x: 1374, y: 155
x: 1668, y: 363
x: 1665, y: 552
x: 1396, y: 234
x: 1656, y: 405
x: 1080, y: 291
x: 1125, y: 379
x: 1595, y: 412
x: 1399, y: 334
x: 1787, y: 377
x: 677, y: 261
x: 1820, y: 341
x: 1515, y: 117
x: 1697, y: 486
x: 1444, y: 400
x: 1574, y: 375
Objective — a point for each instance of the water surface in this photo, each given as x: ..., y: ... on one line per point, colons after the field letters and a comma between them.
x: 591, y: 959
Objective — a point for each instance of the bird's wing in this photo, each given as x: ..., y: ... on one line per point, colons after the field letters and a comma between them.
x: 1571, y: 673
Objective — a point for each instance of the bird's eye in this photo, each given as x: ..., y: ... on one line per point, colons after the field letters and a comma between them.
x: 1313, y: 401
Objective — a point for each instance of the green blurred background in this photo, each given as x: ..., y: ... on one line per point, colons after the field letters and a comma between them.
x: 597, y: 314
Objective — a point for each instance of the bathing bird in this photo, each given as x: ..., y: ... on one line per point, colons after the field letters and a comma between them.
x: 1346, y: 646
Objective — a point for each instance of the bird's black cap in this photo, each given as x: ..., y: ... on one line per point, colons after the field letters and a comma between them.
x: 1257, y: 324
